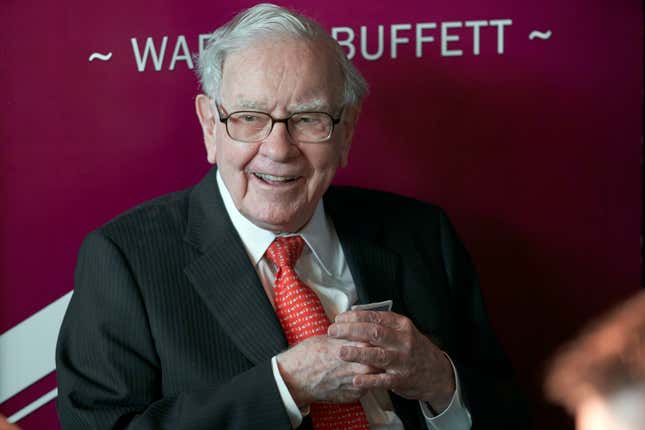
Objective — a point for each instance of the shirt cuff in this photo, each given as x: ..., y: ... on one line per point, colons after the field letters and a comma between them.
x: 294, y: 413
x: 455, y: 416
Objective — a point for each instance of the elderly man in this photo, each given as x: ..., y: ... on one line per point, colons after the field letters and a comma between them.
x: 228, y: 305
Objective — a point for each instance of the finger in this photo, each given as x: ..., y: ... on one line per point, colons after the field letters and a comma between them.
x: 362, y: 369
x: 376, y: 357
x: 346, y: 394
x: 374, y: 334
x: 352, y: 343
x: 350, y: 388
x: 388, y: 319
x: 380, y: 380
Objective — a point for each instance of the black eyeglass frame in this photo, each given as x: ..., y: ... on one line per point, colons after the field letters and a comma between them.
x: 224, y: 120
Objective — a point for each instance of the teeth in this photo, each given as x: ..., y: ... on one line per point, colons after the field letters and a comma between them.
x: 272, y: 178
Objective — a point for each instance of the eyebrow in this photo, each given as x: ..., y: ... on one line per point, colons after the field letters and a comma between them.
x: 249, y: 104
x: 316, y: 105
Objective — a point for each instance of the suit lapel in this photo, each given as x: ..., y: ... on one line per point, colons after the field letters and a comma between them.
x: 376, y: 273
x: 225, y: 278
x: 373, y: 267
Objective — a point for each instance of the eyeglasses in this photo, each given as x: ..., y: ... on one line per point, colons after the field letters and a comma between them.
x: 253, y: 126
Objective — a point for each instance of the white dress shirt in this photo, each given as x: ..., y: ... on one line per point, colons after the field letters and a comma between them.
x: 322, y: 266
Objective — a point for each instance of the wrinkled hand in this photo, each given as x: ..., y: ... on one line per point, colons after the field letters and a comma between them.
x: 414, y: 367
x: 4, y: 425
x: 313, y: 371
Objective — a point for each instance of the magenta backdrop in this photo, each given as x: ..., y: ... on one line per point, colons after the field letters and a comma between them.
x: 534, y: 151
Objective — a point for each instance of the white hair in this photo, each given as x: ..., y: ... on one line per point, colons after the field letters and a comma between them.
x: 265, y: 20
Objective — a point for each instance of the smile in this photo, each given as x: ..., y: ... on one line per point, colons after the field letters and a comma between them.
x: 272, y: 179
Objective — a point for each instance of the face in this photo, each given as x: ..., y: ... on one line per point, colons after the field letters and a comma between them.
x: 277, y: 183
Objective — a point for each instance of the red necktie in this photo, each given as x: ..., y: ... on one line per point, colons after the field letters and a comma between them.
x: 302, y: 316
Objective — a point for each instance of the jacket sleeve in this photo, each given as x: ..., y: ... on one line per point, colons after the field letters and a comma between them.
x: 110, y: 376
x: 491, y: 393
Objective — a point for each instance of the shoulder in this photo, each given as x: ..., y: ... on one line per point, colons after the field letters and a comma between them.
x: 158, y: 220
x: 353, y: 201
x: 391, y: 219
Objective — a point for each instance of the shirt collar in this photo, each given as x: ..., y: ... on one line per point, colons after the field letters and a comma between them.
x: 318, y: 233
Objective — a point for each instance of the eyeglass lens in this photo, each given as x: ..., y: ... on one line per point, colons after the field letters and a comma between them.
x: 256, y: 126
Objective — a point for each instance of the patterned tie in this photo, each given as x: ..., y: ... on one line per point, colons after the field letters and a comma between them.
x: 302, y: 316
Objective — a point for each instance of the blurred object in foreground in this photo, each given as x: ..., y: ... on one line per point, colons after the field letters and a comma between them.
x: 5, y: 425
x: 599, y: 377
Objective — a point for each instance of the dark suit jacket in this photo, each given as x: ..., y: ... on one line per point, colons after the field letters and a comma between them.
x: 169, y: 326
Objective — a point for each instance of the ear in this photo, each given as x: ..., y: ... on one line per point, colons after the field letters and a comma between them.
x: 208, y: 119
x: 350, y: 118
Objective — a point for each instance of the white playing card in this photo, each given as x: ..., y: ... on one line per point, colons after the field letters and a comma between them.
x: 378, y: 306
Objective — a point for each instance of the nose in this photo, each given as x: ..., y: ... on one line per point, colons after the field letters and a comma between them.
x: 278, y: 145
